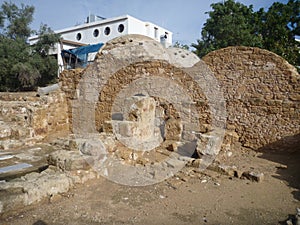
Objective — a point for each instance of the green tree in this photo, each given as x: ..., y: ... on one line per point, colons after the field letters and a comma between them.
x: 232, y: 24
x: 47, y: 39
x: 279, y: 26
x: 40, y: 57
x: 18, y: 20
x: 179, y: 45
x: 229, y: 24
x: 10, y: 55
x: 23, y: 67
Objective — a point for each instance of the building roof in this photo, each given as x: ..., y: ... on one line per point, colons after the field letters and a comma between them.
x: 92, y: 24
x: 72, y: 43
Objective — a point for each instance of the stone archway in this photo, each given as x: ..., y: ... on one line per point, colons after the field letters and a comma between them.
x: 188, y: 99
x: 260, y: 89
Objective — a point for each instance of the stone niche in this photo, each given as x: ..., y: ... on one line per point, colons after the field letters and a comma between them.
x: 249, y: 96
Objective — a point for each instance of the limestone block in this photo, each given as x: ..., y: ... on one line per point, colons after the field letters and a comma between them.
x: 182, y: 58
x: 138, y: 129
x: 208, y: 144
x: 129, y: 129
x: 32, y: 188
x: 5, y: 131
x: 70, y: 160
x: 160, y: 112
x: 48, y: 89
x: 253, y: 176
x: 45, y: 184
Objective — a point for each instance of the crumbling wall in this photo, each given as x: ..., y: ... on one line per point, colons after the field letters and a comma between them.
x: 262, y: 93
x: 261, y: 90
x: 26, y: 118
x: 126, y: 63
x: 50, y: 118
x: 131, y: 74
x: 69, y: 84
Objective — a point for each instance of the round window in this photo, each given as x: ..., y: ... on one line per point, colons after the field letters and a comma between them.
x: 78, y: 36
x: 107, y: 31
x: 121, y: 28
x: 96, y: 33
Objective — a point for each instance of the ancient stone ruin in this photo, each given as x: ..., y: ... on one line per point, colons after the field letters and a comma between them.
x: 262, y: 95
x: 140, y: 112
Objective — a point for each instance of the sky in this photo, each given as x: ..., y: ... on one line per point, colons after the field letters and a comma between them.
x: 185, y: 18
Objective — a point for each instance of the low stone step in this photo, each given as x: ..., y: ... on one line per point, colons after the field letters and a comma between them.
x: 10, y: 144
x: 31, y: 188
x: 5, y: 157
x: 16, y: 167
x: 20, y: 169
x: 26, y: 177
x: 18, y: 162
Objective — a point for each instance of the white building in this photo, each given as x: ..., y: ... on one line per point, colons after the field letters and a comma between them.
x: 99, y: 30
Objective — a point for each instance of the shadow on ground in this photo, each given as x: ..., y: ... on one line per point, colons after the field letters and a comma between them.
x: 39, y: 222
x: 286, y: 152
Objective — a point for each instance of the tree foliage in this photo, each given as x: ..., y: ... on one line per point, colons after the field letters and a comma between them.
x: 18, y: 20
x: 228, y: 24
x: 279, y: 26
x: 231, y: 24
x: 23, y: 67
x: 179, y: 45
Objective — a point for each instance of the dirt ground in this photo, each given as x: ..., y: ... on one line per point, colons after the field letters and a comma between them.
x: 189, y: 197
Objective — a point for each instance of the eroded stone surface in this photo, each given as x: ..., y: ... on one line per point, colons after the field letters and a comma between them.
x: 259, y: 85
x: 34, y: 187
x: 261, y: 92
x: 28, y: 119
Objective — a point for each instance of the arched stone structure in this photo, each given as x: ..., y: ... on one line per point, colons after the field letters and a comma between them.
x: 131, y: 69
x: 262, y: 93
x: 132, y: 57
x: 261, y: 89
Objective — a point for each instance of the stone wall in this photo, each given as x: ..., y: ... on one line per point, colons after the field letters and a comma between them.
x: 135, y: 65
x: 69, y: 83
x: 136, y: 84
x: 262, y: 93
x: 26, y: 118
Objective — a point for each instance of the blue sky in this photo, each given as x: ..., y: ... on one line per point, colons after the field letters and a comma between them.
x: 184, y: 18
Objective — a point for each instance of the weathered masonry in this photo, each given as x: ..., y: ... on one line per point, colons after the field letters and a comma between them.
x: 261, y: 91
x: 128, y: 114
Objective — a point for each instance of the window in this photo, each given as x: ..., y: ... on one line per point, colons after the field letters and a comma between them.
x: 78, y: 36
x: 155, y: 32
x: 121, y: 28
x: 96, y: 33
x: 107, y: 31
x: 166, y: 35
